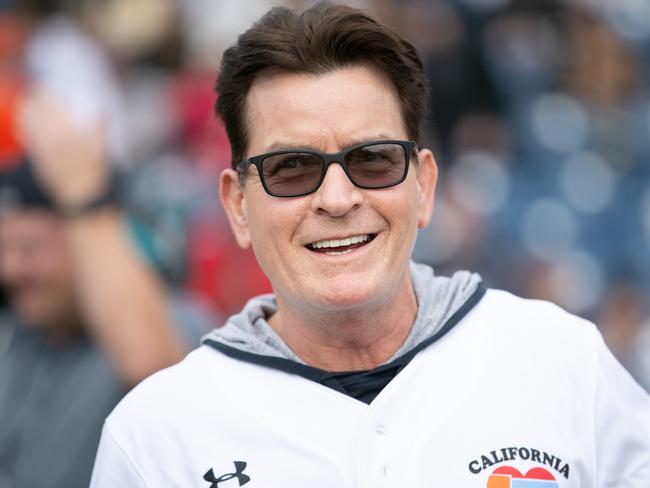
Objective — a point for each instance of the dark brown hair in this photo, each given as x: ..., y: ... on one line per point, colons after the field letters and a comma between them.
x: 323, y: 38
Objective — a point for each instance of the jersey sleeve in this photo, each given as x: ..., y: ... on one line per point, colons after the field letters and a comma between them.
x: 113, y: 467
x: 622, y: 426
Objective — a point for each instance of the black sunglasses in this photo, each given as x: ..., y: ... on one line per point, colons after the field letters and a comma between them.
x: 298, y: 172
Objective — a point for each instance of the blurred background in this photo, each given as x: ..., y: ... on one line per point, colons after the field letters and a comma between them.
x: 540, y: 122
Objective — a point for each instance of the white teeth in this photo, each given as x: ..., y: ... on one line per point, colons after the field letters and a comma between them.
x: 338, y: 253
x: 340, y: 242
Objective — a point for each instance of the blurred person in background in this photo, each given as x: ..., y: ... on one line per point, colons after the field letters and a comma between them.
x: 83, y: 319
x: 87, y: 319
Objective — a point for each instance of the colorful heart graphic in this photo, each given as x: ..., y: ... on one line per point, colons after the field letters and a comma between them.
x: 509, y: 477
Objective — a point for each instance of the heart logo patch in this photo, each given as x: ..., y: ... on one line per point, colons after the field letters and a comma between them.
x: 509, y: 477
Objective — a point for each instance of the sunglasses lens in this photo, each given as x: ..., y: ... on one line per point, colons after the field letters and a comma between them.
x: 377, y: 165
x: 292, y: 174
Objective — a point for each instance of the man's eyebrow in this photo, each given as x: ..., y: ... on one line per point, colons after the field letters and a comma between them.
x: 284, y: 146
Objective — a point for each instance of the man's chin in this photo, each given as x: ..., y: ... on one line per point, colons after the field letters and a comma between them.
x: 368, y: 289
x: 347, y: 296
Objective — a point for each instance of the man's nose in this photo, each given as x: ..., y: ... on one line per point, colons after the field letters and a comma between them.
x: 337, y: 195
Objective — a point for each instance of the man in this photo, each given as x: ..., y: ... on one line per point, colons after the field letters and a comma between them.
x: 87, y: 319
x: 364, y: 369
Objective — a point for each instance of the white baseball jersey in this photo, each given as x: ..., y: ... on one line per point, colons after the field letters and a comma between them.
x: 519, y: 394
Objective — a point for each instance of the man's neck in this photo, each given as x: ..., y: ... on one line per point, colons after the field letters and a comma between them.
x: 354, y: 340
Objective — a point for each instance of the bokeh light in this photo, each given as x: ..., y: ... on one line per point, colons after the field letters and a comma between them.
x: 549, y: 229
x: 559, y: 122
x: 480, y: 182
x: 588, y: 182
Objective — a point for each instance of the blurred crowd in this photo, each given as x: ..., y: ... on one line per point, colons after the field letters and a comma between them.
x: 539, y: 119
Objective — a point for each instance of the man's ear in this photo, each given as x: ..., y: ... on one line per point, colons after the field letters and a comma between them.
x: 234, y: 203
x: 427, y: 176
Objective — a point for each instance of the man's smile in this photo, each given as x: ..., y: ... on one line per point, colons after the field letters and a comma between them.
x: 336, y: 247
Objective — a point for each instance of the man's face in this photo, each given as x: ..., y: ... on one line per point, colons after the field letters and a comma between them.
x: 329, y: 113
x: 35, y: 268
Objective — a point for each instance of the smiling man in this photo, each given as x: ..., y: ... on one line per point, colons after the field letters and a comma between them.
x: 364, y: 369
x: 338, y: 253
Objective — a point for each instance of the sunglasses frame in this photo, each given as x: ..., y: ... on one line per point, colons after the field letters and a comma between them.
x: 328, y: 159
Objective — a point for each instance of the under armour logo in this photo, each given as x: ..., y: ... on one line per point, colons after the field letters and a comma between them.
x: 240, y: 466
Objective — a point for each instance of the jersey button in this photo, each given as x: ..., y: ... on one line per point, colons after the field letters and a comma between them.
x: 384, y: 475
x: 381, y: 429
